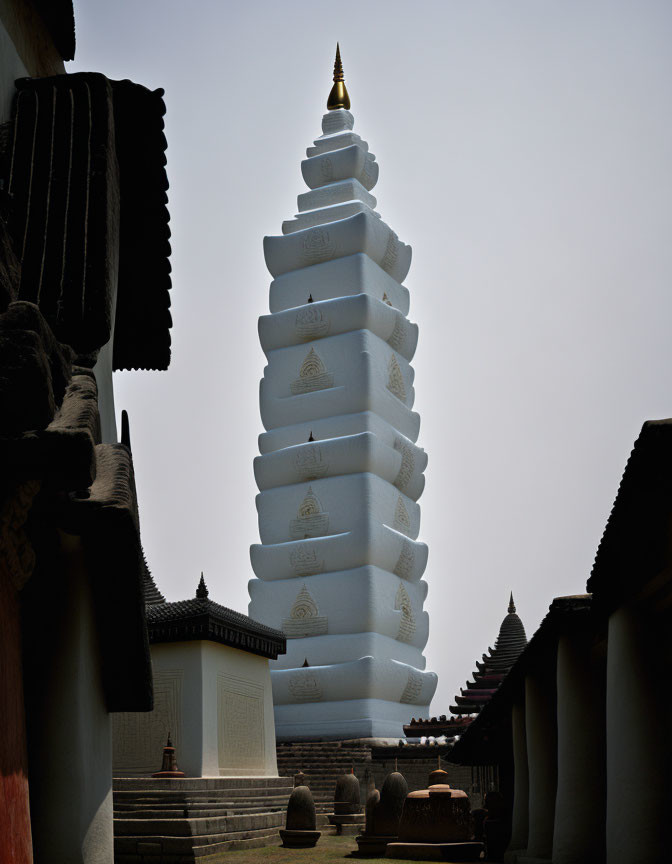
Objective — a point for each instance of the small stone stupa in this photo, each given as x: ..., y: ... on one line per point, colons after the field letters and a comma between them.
x: 436, y: 825
x: 383, y: 812
x: 301, y: 826
x: 339, y: 567
x: 347, y: 806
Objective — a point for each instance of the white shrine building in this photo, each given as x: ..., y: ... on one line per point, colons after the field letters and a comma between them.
x: 339, y: 567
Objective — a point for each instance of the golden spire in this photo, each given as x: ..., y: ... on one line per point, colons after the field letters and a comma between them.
x: 338, y: 98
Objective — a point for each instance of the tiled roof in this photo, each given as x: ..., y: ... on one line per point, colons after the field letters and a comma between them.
x: 202, y: 618
x: 634, y: 552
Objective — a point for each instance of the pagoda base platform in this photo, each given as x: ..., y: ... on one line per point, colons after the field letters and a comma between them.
x: 436, y: 851
x: 340, y: 721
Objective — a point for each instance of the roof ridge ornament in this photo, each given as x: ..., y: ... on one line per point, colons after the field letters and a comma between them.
x: 512, y: 605
x: 202, y: 590
x: 338, y: 97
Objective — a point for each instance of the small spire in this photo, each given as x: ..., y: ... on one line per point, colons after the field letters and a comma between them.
x: 125, y: 430
x: 338, y: 97
x: 202, y: 590
x: 310, y: 437
x: 306, y: 664
x: 512, y: 605
x: 310, y: 298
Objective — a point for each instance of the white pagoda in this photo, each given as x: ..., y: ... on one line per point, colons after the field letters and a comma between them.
x: 339, y: 566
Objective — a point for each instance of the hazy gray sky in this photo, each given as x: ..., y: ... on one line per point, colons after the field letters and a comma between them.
x: 524, y: 150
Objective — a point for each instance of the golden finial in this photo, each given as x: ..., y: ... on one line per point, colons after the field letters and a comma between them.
x: 338, y: 98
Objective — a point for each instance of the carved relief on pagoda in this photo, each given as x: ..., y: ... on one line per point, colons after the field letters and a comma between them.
x: 304, y: 686
x: 311, y: 521
x: 304, y: 618
x: 317, y: 247
x: 402, y: 603
x: 310, y: 323
x: 407, y: 464
x: 402, y: 520
x: 327, y: 170
x: 397, y: 339
x: 413, y: 687
x: 406, y: 562
x: 305, y: 562
x: 309, y: 464
x: 313, y: 375
x: 395, y: 380
x: 391, y: 253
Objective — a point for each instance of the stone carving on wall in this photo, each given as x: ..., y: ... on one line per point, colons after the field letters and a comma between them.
x: 310, y: 521
x: 304, y: 686
x: 304, y: 618
x: 406, y: 562
x: 317, y: 247
x: 407, y: 464
x: 240, y: 725
x: 402, y: 521
x: 402, y: 603
x: 397, y: 339
x: 413, y: 687
x: 304, y: 561
x: 313, y: 375
x: 139, y: 737
x: 310, y: 323
x: 309, y: 463
x: 395, y: 381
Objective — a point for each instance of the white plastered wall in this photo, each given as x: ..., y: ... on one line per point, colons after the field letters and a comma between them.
x: 216, y: 702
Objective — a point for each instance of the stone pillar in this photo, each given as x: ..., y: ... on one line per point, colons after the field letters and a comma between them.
x: 69, y: 730
x: 580, y: 806
x: 521, y: 781
x: 542, y: 759
x: 639, y: 752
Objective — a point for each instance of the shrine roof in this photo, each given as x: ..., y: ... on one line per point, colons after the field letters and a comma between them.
x: 202, y: 618
x: 633, y: 558
x: 487, y: 740
x: 510, y: 643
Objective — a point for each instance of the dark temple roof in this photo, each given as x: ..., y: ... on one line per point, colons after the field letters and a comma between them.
x: 487, y: 740
x: 202, y: 618
x: 88, y: 187
x: 634, y: 555
x: 59, y: 17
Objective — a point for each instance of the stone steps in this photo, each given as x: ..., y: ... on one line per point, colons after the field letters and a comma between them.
x: 196, y: 819
x: 205, y: 849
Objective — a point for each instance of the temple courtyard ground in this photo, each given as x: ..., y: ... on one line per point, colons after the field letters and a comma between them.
x: 329, y: 850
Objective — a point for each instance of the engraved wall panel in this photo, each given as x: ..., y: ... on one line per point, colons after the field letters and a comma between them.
x: 240, y: 724
x: 140, y: 737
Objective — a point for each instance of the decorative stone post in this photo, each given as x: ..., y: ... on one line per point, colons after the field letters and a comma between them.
x: 542, y: 760
x: 578, y: 835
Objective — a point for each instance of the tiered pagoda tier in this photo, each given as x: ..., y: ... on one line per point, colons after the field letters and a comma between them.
x: 495, y: 664
x: 489, y: 674
x: 339, y: 565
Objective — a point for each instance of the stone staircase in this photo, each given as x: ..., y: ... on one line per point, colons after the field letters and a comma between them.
x: 323, y: 763
x: 195, y: 819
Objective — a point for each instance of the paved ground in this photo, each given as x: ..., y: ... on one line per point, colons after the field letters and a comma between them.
x: 329, y: 850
